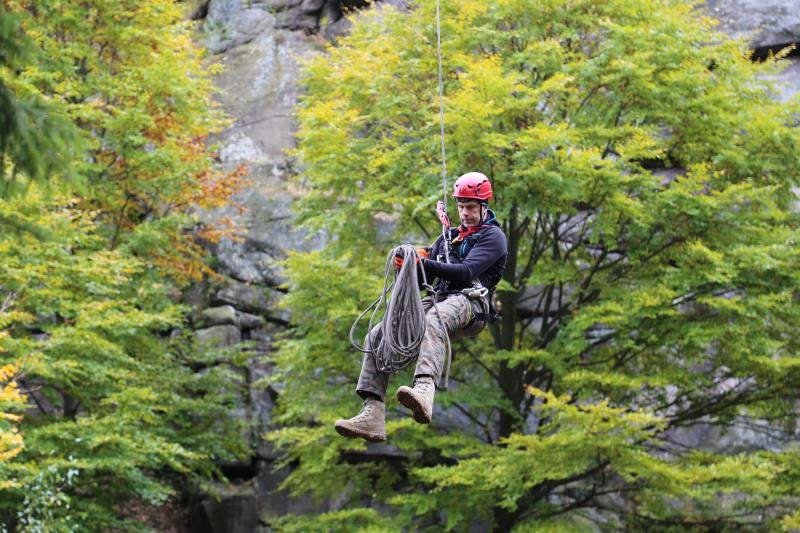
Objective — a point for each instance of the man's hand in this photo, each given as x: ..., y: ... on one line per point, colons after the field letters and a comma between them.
x: 398, y: 259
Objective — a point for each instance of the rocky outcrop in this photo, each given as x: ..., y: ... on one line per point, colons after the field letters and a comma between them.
x: 257, y: 88
x: 764, y: 23
x: 768, y: 26
x: 233, y: 510
x: 230, y: 23
x: 787, y: 82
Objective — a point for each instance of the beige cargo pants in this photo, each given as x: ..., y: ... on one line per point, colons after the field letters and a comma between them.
x: 457, y: 315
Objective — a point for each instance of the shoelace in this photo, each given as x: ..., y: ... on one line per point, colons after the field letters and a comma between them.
x: 367, y: 410
x: 424, y: 385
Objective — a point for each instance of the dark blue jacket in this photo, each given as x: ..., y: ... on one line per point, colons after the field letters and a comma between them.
x: 482, y: 256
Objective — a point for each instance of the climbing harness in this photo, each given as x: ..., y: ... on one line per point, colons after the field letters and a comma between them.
x: 476, y: 290
x: 403, y: 326
x: 479, y: 295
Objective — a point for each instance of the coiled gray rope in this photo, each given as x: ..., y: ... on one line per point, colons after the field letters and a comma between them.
x: 403, y: 325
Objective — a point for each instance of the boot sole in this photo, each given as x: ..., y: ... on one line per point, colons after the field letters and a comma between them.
x: 349, y: 433
x: 405, y: 397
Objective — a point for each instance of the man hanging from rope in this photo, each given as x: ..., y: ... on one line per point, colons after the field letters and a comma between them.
x: 464, y: 286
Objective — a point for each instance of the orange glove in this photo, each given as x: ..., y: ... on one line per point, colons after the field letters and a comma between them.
x: 398, y: 259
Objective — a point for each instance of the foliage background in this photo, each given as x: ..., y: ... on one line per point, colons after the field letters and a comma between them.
x: 644, y: 179
x: 106, y: 110
x: 643, y: 176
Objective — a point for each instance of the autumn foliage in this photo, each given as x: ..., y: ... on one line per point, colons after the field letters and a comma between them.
x: 104, y: 161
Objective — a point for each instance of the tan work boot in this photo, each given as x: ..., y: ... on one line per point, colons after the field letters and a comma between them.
x: 419, y: 399
x: 369, y: 424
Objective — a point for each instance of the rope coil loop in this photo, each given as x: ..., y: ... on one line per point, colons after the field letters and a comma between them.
x: 403, y: 326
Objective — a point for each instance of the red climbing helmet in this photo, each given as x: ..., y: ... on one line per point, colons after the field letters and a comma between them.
x: 473, y: 186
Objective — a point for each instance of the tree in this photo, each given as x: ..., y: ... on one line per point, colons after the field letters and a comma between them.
x: 11, y: 402
x: 36, y: 142
x: 643, y: 177
x: 130, y: 77
x: 123, y: 404
x: 113, y: 397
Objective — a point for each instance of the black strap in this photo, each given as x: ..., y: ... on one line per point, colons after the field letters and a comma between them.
x: 486, y: 317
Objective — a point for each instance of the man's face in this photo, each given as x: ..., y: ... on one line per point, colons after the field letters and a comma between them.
x: 469, y: 211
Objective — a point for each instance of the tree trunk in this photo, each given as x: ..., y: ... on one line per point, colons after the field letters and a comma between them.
x: 504, y: 520
x: 70, y: 407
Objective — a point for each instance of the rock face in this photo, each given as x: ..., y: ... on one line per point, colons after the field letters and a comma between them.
x: 764, y: 23
x: 235, y: 510
x: 259, y: 45
x: 787, y: 83
x: 768, y: 25
x: 219, y: 336
x: 258, y: 89
x: 230, y: 23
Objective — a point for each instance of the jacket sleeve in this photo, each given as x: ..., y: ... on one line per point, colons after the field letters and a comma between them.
x: 489, y: 248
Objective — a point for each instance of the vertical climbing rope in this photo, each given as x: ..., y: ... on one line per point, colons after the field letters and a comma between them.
x: 445, y: 239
